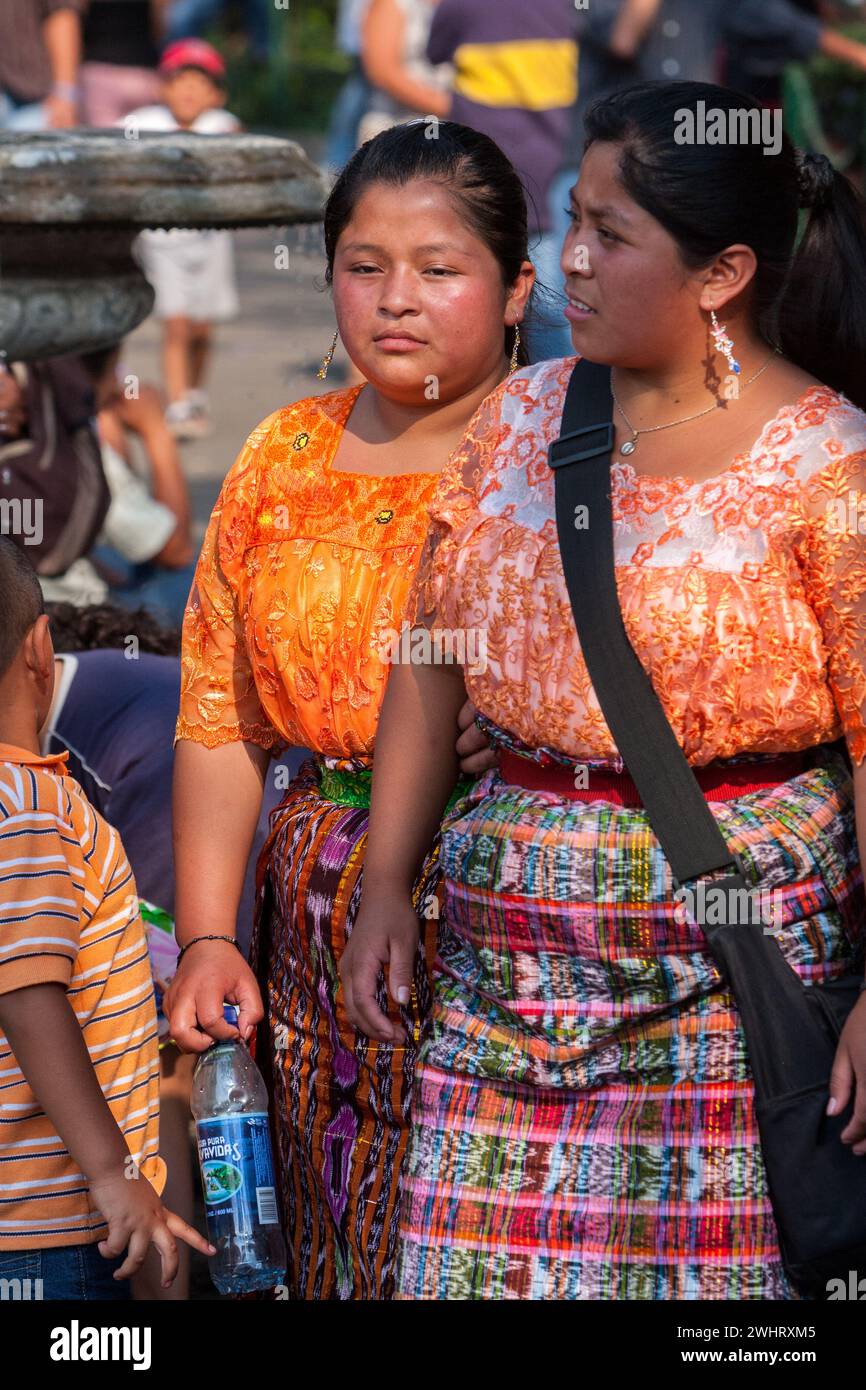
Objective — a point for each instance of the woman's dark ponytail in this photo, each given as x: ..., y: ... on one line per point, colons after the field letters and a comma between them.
x: 821, y: 317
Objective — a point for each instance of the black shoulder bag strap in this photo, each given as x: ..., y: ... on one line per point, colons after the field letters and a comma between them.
x: 790, y: 1047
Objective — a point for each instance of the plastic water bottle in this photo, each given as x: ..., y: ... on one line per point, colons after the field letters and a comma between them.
x: 230, y: 1106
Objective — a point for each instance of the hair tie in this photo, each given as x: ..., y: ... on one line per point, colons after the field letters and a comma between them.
x: 816, y: 179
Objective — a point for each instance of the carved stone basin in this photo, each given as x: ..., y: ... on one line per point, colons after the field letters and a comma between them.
x: 73, y: 202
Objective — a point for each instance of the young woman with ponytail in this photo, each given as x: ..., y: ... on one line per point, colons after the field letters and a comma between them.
x: 583, y: 1120
x: 297, y: 603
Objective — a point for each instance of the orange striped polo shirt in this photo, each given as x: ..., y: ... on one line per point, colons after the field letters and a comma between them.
x: 69, y: 913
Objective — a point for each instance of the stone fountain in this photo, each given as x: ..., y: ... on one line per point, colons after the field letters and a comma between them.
x: 73, y: 202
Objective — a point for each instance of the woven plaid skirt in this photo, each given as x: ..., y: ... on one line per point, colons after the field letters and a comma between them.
x: 339, y: 1101
x: 583, y: 1122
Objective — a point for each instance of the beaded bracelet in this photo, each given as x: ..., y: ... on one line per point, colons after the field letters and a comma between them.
x: 185, y: 948
x: 66, y: 91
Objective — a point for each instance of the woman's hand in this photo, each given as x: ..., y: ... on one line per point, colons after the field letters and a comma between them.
x: 136, y: 1220
x: 385, y: 936
x: 849, y: 1074
x: 211, y: 974
x: 13, y: 408
x: 60, y: 113
x: 631, y: 27
x: 473, y: 747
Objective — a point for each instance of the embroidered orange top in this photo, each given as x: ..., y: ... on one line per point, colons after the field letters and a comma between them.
x: 303, y: 573
x: 743, y: 595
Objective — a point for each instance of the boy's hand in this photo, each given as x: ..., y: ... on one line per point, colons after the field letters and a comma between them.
x: 136, y: 1220
x: 385, y: 935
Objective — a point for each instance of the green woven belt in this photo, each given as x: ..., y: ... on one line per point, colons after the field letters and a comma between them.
x: 353, y: 788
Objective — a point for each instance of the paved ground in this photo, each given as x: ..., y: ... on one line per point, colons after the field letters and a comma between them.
x: 263, y: 359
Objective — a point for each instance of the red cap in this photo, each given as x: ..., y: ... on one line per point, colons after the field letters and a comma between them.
x: 192, y: 53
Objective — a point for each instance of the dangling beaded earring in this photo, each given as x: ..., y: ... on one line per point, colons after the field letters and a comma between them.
x: 723, y: 343
x: 328, y: 357
x: 514, y: 351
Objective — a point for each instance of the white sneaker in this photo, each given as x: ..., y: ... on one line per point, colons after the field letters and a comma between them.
x: 200, y: 402
x: 185, y: 421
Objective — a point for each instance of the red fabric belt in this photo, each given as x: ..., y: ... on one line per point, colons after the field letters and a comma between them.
x: 718, y: 781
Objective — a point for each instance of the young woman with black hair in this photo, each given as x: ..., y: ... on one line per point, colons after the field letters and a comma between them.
x: 583, y: 1121
x: 304, y: 571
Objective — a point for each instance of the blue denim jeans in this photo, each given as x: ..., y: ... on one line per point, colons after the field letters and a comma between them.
x: 164, y: 592
x: 67, y: 1272
x: 548, y: 332
x: 20, y: 115
x: 350, y: 106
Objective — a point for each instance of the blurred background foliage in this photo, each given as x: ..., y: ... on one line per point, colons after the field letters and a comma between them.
x: 825, y: 107
x: 296, y: 89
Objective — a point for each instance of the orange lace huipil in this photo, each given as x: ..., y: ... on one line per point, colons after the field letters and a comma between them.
x: 583, y: 1123
x: 302, y: 580
x: 744, y: 596
x: 302, y: 575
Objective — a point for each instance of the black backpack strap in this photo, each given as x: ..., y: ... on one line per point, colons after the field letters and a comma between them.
x: 765, y: 986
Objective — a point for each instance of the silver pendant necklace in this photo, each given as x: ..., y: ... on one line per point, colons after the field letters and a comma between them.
x: 631, y: 444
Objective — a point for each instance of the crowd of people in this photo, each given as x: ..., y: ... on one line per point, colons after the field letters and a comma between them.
x: 501, y: 1063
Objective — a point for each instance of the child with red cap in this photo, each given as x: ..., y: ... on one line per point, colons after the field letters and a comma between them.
x: 192, y: 272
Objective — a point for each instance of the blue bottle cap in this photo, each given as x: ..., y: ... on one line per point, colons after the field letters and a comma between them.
x: 230, y: 1014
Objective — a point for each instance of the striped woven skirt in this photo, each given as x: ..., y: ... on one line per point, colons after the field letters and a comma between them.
x: 339, y: 1101
x: 583, y: 1123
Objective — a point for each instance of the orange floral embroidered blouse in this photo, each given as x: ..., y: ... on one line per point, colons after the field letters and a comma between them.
x: 743, y: 595
x: 303, y: 572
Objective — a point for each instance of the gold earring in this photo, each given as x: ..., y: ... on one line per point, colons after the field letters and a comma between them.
x: 514, y: 350
x: 328, y: 357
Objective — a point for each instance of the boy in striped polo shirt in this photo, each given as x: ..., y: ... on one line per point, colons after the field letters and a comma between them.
x: 79, y: 1075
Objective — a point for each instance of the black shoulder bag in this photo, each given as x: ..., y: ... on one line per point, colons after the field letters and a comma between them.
x: 816, y: 1184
